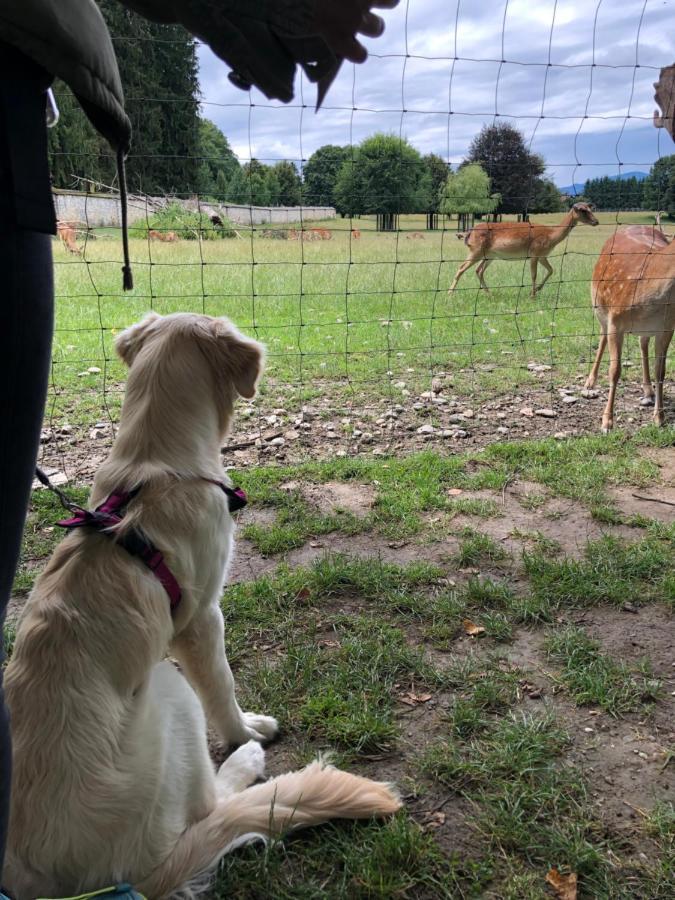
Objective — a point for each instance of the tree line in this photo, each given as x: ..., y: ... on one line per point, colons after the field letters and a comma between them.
x: 176, y: 151
x: 655, y: 192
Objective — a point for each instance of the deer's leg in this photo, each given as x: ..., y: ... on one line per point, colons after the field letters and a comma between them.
x: 615, y: 342
x: 661, y: 343
x: 480, y: 271
x: 549, y: 271
x: 471, y: 261
x: 534, y: 262
x: 647, y: 389
x: 593, y: 374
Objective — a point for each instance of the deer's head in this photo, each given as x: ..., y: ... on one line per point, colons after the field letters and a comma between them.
x: 583, y: 214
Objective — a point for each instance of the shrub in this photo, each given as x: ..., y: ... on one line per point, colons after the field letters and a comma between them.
x: 186, y: 224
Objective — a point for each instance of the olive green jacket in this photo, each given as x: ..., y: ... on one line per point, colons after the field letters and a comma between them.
x: 261, y: 40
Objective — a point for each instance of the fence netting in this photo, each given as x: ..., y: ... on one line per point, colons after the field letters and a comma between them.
x: 367, y: 352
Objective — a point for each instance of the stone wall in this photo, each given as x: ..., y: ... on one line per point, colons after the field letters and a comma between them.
x: 103, y: 210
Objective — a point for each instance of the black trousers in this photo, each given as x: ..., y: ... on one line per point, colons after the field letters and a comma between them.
x: 26, y: 325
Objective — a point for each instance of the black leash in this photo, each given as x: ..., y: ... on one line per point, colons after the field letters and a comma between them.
x: 66, y: 503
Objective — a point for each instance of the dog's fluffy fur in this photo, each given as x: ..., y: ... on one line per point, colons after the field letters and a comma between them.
x: 112, y: 776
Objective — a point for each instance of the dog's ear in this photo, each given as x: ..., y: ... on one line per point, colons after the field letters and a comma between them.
x: 130, y: 341
x: 240, y: 356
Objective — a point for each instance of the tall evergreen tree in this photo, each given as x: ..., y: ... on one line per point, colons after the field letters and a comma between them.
x: 659, y: 186
x: 158, y: 68
x: 217, y: 162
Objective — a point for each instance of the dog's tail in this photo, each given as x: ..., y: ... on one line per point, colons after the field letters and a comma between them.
x: 310, y: 796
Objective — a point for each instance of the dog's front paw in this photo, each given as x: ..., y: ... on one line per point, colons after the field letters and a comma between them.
x: 259, y: 728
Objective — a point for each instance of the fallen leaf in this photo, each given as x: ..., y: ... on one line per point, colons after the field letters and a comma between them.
x: 564, y: 886
x: 303, y: 594
x: 434, y: 820
x: 412, y: 699
x: 327, y: 643
x: 472, y: 629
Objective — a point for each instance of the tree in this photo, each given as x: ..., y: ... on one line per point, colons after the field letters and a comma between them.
x: 386, y: 175
x: 659, y: 186
x: 320, y: 174
x: 218, y: 163
x: 467, y: 191
x: 512, y: 169
x: 547, y: 197
x: 290, y: 185
x: 158, y: 68
x: 438, y: 173
x: 614, y: 194
x: 75, y: 147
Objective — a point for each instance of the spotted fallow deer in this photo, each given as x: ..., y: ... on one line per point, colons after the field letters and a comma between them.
x: 519, y: 240
x: 633, y: 292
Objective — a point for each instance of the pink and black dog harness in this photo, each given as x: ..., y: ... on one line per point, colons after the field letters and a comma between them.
x: 111, y: 512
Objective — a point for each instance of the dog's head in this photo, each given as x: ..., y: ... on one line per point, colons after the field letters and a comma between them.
x: 183, y: 354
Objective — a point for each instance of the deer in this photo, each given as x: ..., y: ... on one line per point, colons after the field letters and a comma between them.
x: 517, y: 240
x: 633, y: 292
x: 67, y: 231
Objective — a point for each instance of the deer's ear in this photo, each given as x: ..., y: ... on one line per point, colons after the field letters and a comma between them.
x: 239, y: 357
x: 130, y: 341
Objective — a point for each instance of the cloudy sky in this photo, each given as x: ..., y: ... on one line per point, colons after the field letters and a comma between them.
x: 576, y: 80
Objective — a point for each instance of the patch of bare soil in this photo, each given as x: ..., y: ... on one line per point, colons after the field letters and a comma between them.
x: 330, y: 496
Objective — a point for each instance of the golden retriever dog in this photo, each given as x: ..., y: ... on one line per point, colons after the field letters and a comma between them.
x: 112, y: 776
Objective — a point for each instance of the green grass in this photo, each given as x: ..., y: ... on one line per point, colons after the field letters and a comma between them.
x: 583, y: 470
x: 476, y: 548
x: 41, y: 534
x: 335, y: 313
x: 594, y: 678
x: 612, y: 571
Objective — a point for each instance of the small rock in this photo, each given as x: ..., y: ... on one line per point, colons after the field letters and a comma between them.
x: 502, y: 430
x: 589, y: 394
x: 436, y: 385
x: 455, y: 418
x: 426, y: 395
x: 629, y: 607
x: 93, y: 370
x: 367, y: 437
x: 426, y: 429
x: 468, y: 413
x: 246, y: 413
x: 569, y: 398
x: 546, y: 413
x: 291, y: 435
x: 460, y: 433
x: 560, y: 435
x: 399, y: 384
x: 418, y: 406
x: 277, y: 442
x: 527, y: 411
x: 538, y: 367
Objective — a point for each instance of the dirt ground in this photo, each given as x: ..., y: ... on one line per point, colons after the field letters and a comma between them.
x: 272, y: 429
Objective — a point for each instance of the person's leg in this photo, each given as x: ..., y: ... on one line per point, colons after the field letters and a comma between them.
x: 26, y: 325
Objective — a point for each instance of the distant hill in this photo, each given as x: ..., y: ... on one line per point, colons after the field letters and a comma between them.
x: 578, y: 188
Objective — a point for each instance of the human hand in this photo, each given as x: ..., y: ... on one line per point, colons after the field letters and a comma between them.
x: 339, y: 21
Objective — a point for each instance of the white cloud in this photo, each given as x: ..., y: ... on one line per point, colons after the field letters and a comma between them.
x: 435, y: 76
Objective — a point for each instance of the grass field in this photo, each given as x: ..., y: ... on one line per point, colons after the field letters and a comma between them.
x: 359, y: 315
